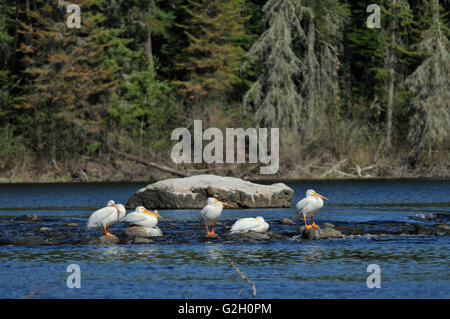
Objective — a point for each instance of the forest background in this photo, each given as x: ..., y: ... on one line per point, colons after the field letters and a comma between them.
x: 99, y: 102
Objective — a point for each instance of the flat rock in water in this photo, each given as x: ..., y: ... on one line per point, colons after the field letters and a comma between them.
x: 191, y: 192
x: 103, y: 240
x: 140, y: 240
x: 252, y: 235
x: 328, y: 225
x: 70, y: 225
x: 213, y: 236
x: 28, y: 218
x: 143, y: 232
x: 349, y: 230
x: 320, y: 233
x: 29, y: 241
x: 287, y: 221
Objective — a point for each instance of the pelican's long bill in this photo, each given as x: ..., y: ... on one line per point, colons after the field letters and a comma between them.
x: 318, y: 195
x: 154, y: 213
x: 224, y: 204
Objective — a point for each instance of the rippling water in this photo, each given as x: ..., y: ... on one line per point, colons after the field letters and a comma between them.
x: 411, y: 266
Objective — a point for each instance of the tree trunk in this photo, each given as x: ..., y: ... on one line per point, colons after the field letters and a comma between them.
x: 390, y: 106
x: 148, y: 50
x: 16, y: 36
x: 390, y: 89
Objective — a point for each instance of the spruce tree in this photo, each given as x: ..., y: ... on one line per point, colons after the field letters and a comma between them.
x: 212, y: 59
x: 429, y: 87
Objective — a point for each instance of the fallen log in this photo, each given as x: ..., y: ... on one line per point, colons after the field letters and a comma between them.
x: 151, y: 164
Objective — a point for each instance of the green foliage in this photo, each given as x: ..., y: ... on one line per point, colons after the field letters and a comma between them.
x: 212, y: 59
x: 311, y: 67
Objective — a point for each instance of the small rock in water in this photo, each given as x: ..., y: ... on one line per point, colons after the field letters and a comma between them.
x: 103, y: 240
x: 140, y: 231
x: 252, y: 235
x: 212, y: 236
x: 42, y: 229
x: 319, y: 233
x: 60, y: 235
x: 140, y: 240
x: 29, y: 241
x: 276, y: 236
x: 28, y: 218
x: 350, y: 230
x: 70, y: 225
x: 328, y: 225
x: 443, y: 227
x: 287, y: 221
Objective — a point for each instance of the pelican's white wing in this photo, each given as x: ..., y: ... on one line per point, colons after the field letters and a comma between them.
x: 133, y: 218
x: 301, y: 207
x: 98, y: 217
x: 245, y: 224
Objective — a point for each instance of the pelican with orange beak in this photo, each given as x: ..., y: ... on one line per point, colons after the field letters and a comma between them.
x: 309, y: 206
x: 211, y: 213
x: 106, y: 216
x: 142, y: 217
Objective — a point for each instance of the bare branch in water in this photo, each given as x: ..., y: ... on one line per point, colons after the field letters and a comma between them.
x: 244, y: 277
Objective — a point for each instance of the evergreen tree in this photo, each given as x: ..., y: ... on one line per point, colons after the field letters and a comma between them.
x: 214, y: 54
x: 66, y: 83
x: 429, y: 86
x: 299, y: 52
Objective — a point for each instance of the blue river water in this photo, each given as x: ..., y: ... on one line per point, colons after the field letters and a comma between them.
x: 411, y: 266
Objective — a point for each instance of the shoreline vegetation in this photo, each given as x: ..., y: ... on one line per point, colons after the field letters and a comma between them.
x: 113, y: 168
x: 100, y: 102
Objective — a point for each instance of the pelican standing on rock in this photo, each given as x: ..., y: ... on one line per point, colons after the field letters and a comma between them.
x: 309, y: 206
x: 256, y: 224
x: 142, y: 217
x: 106, y: 217
x: 210, y: 213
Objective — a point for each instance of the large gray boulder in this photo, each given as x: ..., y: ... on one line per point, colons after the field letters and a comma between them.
x: 191, y: 192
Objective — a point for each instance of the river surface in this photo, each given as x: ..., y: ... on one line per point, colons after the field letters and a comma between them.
x: 411, y: 266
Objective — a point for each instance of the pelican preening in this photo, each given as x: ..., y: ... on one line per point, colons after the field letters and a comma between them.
x: 211, y: 213
x: 256, y: 224
x: 106, y: 217
x: 142, y: 217
x: 309, y: 206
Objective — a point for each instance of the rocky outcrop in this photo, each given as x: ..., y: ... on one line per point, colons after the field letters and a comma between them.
x: 191, y: 192
x: 319, y: 233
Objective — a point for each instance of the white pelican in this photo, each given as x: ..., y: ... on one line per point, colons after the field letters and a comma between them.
x: 211, y: 212
x: 256, y: 224
x: 309, y: 206
x: 106, y: 216
x: 142, y: 217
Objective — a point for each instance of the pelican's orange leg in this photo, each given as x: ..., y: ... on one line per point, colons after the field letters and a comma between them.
x: 107, y: 233
x: 306, y: 224
x: 213, y: 233
x: 207, y: 230
x: 313, y: 223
